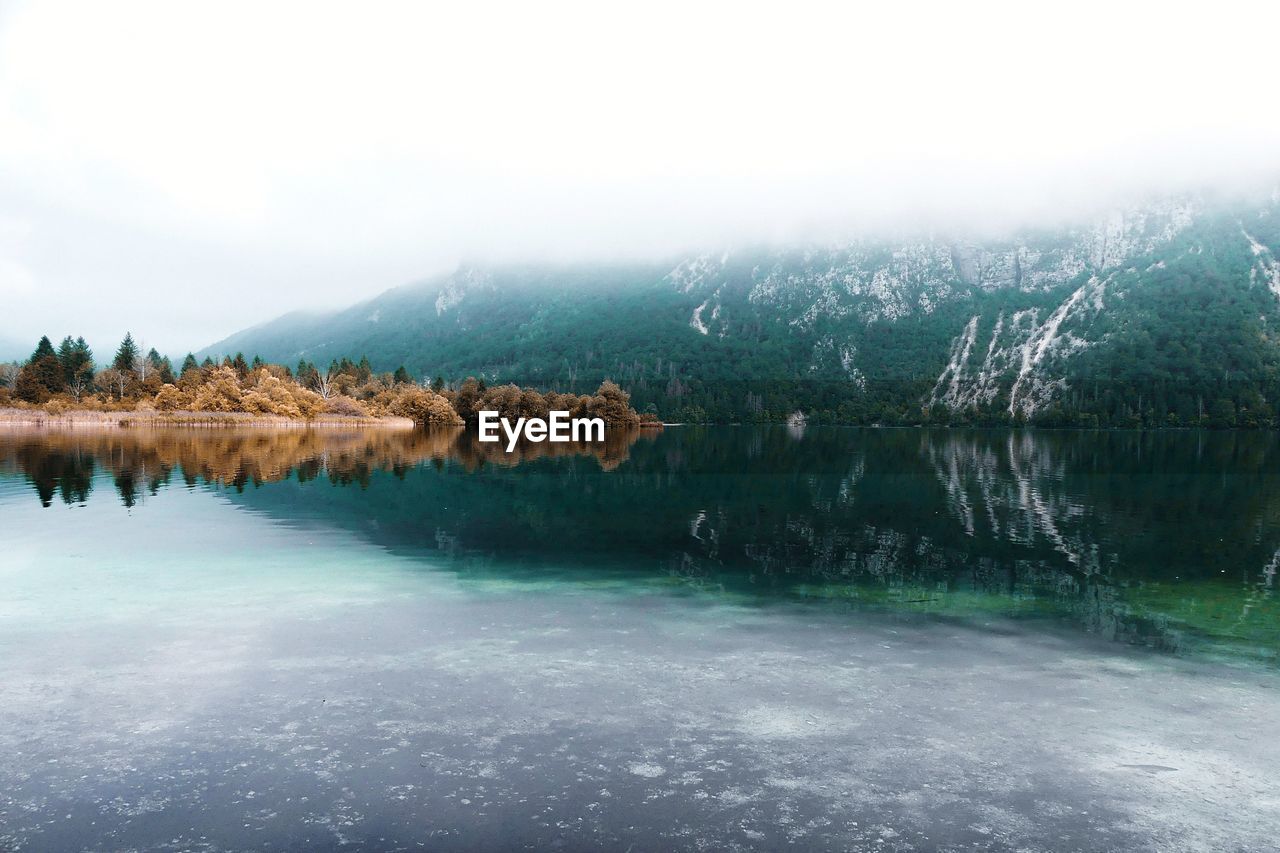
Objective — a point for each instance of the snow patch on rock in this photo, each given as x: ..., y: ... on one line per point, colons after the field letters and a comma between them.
x: 1266, y: 263
x: 696, y: 320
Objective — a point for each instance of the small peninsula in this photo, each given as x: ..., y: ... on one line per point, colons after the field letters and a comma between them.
x: 63, y: 385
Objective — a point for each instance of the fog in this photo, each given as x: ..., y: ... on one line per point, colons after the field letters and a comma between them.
x: 185, y: 171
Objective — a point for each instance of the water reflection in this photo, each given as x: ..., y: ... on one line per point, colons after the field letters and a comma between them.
x: 62, y: 463
x: 1166, y: 539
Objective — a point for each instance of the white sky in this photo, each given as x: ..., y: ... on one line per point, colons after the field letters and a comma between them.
x: 184, y: 170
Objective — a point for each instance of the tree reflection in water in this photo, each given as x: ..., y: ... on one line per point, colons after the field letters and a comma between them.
x: 142, y: 460
x: 1164, y: 539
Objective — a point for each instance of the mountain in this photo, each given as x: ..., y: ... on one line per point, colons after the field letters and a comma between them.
x: 1163, y: 313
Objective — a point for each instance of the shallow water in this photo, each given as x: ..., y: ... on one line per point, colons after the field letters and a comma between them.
x: 720, y: 638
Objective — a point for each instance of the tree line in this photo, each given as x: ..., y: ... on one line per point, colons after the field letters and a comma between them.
x: 66, y: 378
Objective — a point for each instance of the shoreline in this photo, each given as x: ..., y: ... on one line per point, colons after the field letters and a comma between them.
x: 27, y: 418
x: 14, y: 417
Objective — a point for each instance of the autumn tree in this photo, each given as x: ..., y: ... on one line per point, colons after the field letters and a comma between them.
x: 533, y: 404
x: 424, y: 407
x: 113, y: 381
x: 503, y: 399
x: 170, y: 398
x: 613, y: 405
x: 219, y: 393
x: 466, y: 401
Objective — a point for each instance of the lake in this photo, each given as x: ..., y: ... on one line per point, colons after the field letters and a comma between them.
x: 703, y: 638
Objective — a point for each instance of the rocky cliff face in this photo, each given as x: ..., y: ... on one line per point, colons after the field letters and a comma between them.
x: 861, y: 284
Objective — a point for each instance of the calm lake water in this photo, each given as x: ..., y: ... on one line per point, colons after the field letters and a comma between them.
x: 720, y: 638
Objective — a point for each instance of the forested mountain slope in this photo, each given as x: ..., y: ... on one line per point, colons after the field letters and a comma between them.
x: 1165, y: 313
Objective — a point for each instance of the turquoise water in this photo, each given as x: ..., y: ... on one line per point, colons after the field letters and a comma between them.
x: 726, y: 638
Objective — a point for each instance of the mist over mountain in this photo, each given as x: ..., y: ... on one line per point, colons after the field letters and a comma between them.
x: 12, y: 349
x: 1164, y: 312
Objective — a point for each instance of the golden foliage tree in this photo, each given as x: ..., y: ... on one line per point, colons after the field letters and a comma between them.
x: 424, y: 407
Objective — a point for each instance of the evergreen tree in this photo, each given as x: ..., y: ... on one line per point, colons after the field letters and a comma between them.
x: 126, y: 355
x: 165, y: 368
x: 402, y: 376
x: 241, y: 366
x: 437, y: 384
x: 45, y: 347
x: 307, y: 374
x: 189, y: 363
x: 208, y: 362
x: 77, y: 365
x: 42, y: 376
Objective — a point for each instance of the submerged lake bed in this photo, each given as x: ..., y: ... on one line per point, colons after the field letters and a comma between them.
x: 748, y: 638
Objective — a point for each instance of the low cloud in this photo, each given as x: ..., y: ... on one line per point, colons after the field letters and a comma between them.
x: 184, y: 173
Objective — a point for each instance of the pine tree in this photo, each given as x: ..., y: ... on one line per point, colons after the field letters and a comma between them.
x: 307, y: 374
x: 166, y: 371
x: 437, y: 384
x: 126, y: 355
x: 189, y: 363
x: 77, y: 365
x: 45, y: 347
x: 401, y: 376
x: 42, y: 377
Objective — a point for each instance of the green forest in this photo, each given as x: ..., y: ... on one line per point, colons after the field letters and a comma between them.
x: 1184, y: 332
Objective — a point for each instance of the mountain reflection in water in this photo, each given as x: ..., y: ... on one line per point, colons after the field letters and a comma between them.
x: 1170, y: 540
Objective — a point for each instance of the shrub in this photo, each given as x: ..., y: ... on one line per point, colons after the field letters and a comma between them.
x: 169, y: 399
x: 343, y: 405
x: 219, y: 393
x: 424, y: 407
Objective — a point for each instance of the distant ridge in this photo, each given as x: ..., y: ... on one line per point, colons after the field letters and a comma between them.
x: 1169, y: 308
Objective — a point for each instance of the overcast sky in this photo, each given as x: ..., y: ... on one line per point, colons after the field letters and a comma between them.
x: 184, y: 170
